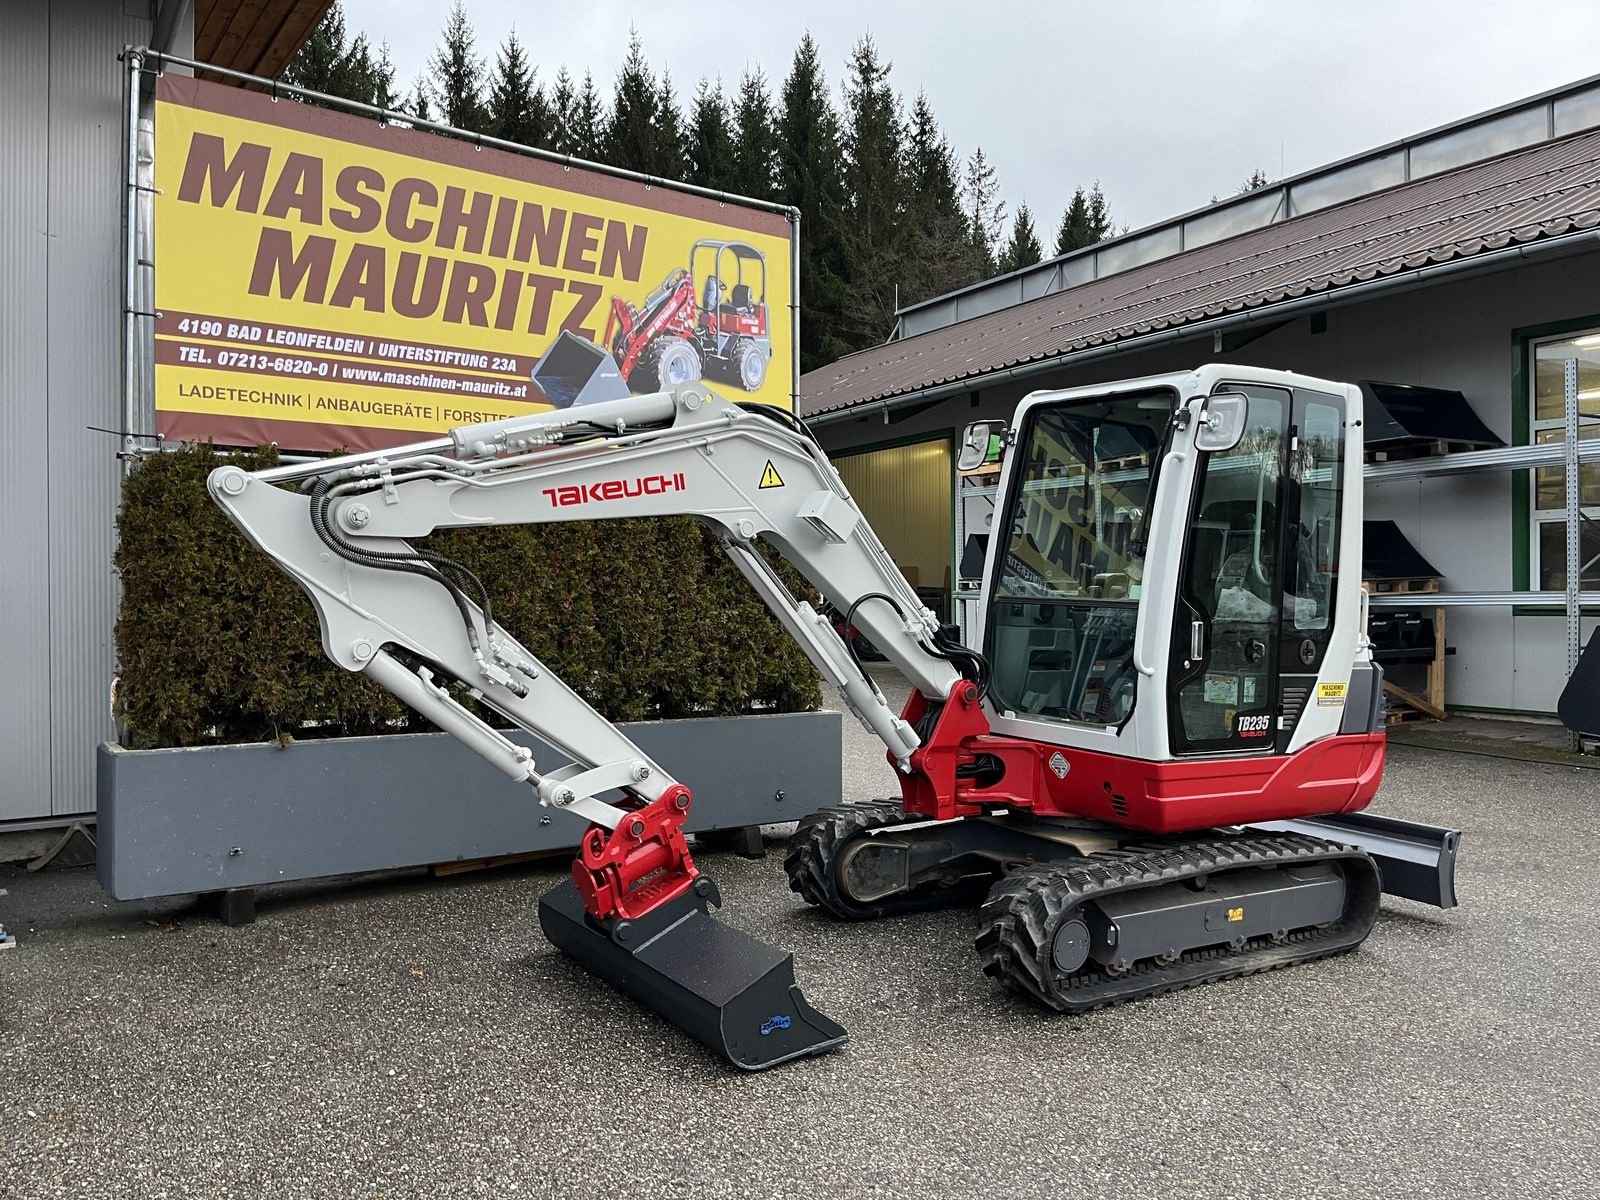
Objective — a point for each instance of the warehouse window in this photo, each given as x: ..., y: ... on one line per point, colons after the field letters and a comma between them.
x: 1549, y: 484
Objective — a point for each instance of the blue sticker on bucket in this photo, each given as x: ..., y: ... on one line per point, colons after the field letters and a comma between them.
x: 774, y: 1023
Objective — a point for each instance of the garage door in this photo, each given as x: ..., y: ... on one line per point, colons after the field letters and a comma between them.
x: 906, y: 493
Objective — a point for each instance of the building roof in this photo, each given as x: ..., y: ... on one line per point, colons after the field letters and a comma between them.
x: 1523, y: 196
x: 258, y: 37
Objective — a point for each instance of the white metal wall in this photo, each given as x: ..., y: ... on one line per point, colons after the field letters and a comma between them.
x: 60, y: 372
x: 1454, y: 335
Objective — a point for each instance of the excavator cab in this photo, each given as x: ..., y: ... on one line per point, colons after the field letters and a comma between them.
x: 1166, y: 581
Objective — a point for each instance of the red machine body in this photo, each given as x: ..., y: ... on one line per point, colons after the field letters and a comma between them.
x: 1334, y: 775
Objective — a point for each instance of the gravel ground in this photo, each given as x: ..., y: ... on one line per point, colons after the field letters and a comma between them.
x: 411, y: 1037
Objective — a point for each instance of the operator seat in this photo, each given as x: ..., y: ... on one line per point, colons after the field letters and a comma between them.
x: 740, y: 302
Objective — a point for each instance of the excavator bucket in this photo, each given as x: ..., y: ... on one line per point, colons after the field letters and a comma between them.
x: 575, y: 371
x: 721, y: 986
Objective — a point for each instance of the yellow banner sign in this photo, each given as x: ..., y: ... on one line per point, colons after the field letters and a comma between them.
x: 326, y: 281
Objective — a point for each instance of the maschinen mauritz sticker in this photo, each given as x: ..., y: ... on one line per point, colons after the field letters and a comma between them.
x: 1331, y: 695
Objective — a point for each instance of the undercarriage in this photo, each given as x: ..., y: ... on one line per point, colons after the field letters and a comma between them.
x: 1077, y: 915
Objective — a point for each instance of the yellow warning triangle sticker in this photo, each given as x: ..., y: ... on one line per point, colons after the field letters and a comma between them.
x: 769, y: 477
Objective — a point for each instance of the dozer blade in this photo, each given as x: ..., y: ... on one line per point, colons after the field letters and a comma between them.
x: 721, y: 986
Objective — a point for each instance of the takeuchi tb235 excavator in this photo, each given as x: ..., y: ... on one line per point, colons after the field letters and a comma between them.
x: 1147, y: 772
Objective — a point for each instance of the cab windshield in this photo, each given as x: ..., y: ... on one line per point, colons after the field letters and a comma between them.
x: 1066, y: 600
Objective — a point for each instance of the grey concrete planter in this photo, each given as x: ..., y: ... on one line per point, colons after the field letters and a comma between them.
x: 214, y: 818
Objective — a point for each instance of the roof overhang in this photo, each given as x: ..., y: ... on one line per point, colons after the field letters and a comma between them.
x: 257, y: 37
x: 1484, y: 262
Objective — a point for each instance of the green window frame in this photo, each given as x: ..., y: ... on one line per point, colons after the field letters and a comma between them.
x: 1549, y: 344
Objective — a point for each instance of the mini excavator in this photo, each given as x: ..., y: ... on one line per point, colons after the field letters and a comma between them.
x: 1147, y: 772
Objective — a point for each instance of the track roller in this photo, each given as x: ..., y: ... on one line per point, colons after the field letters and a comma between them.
x: 1120, y: 925
x: 830, y: 863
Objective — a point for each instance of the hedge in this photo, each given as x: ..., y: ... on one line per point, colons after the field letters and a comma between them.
x: 644, y: 619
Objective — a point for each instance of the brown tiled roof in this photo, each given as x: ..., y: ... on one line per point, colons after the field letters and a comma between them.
x: 1539, y: 192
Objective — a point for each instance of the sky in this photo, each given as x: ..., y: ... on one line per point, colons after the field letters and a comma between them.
x: 1167, y: 103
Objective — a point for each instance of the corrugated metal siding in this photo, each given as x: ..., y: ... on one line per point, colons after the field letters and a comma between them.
x: 905, y: 493
x: 25, y: 732
x: 84, y: 311
x: 60, y: 372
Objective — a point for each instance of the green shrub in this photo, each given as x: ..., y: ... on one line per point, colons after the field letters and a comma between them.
x: 644, y: 619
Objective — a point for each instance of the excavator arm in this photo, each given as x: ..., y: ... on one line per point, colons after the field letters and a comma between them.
x: 421, y: 625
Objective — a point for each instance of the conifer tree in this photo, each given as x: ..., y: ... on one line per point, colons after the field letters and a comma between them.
x: 754, y: 165
x: 1258, y: 179
x: 1100, y: 226
x: 874, y: 240
x: 1087, y: 220
x: 517, y: 111
x: 938, y: 255
x: 418, y: 105
x: 589, y: 122
x: 986, y: 212
x: 873, y: 137
x: 808, y: 178
x: 383, y: 93
x: 335, y: 64
x: 563, y: 112
x: 711, y: 162
x: 458, y: 74
x: 1023, y: 250
x: 669, y: 145
x: 629, y: 139
x: 1073, y: 232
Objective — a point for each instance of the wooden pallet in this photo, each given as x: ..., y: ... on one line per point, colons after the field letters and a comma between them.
x: 1419, y: 585
x: 1403, y: 714
x: 1431, y: 449
x: 1404, y: 704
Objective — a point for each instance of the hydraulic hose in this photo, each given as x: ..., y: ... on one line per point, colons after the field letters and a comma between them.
x: 427, y: 563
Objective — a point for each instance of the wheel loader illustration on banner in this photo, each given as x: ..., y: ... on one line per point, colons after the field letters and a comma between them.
x: 684, y: 331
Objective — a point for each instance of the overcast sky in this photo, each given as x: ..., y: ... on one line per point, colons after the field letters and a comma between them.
x: 1166, y: 102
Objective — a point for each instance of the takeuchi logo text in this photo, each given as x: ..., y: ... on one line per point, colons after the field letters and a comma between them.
x: 295, y: 262
x: 615, y: 489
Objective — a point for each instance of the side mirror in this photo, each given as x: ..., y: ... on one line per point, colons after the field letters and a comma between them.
x: 981, y: 442
x: 1222, y: 421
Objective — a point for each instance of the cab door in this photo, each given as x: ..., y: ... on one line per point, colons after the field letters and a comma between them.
x: 1222, y: 689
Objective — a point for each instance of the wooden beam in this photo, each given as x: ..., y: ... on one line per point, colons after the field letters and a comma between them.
x: 299, y: 19
x: 257, y: 36
x: 229, y: 45
x: 1414, y: 700
x: 211, y: 17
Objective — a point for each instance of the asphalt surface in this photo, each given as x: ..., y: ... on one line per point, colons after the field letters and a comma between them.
x: 411, y: 1037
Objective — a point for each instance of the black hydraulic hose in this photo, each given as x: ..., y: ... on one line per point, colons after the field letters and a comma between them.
x: 782, y: 416
x: 849, y: 615
x: 426, y: 563
x: 972, y: 665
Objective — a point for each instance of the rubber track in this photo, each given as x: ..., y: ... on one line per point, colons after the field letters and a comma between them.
x: 1017, y: 923
x: 814, y: 848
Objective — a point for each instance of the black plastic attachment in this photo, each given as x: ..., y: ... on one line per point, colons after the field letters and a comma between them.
x: 718, y: 985
x: 1579, y: 706
x: 1416, y: 861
